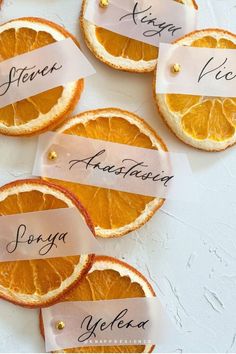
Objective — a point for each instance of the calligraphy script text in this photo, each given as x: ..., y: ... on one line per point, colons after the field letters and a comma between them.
x: 119, y: 322
x: 146, y: 17
x: 23, y: 237
x: 219, y: 72
x: 131, y: 168
x: 20, y: 76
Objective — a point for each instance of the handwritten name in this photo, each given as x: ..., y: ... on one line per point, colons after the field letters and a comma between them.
x: 23, y: 238
x: 219, y: 72
x: 20, y: 76
x: 134, y: 169
x: 146, y: 17
x: 119, y: 322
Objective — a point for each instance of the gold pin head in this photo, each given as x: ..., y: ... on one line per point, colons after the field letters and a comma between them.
x: 176, y: 68
x: 60, y: 325
x: 104, y: 3
x: 52, y: 155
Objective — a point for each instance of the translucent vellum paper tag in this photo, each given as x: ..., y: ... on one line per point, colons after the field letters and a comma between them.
x: 115, y: 166
x: 212, y: 74
x: 41, y: 70
x: 45, y: 234
x: 148, y: 21
x: 138, y: 321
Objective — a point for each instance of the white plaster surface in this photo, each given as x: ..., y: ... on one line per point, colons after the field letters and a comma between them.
x: 188, y: 251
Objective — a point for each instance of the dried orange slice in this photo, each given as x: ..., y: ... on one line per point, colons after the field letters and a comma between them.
x: 110, y: 278
x: 38, y: 283
x: 47, y: 109
x: 113, y: 213
x: 118, y: 51
x: 206, y: 123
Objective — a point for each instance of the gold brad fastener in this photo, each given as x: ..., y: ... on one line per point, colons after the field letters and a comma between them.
x: 52, y: 155
x: 60, y: 325
x: 176, y: 68
x: 104, y: 3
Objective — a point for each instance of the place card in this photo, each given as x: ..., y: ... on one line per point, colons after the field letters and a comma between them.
x: 115, y: 166
x: 213, y: 73
x: 45, y: 234
x: 41, y: 70
x: 148, y: 21
x: 106, y: 323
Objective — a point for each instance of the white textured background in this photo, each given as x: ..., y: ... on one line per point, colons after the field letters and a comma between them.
x: 188, y: 251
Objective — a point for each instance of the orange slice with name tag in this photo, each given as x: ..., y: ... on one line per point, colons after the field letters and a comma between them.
x: 207, y: 123
x: 114, y: 213
x: 110, y: 278
x: 40, y: 282
x: 121, y: 52
x: 45, y: 110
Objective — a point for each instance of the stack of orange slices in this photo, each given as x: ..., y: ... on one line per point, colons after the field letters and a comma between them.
x: 207, y: 123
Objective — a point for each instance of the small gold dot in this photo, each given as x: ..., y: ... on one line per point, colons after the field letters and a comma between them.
x: 60, y: 325
x: 104, y: 3
x: 176, y: 68
x: 52, y: 155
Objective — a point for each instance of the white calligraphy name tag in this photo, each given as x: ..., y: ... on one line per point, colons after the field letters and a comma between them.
x: 204, y: 71
x: 45, y: 234
x: 108, y: 322
x: 115, y: 166
x: 41, y: 70
x: 148, y: 21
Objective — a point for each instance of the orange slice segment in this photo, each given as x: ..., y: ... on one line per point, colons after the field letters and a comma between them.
x: 109, y: 279
x: 38, y: 283
x: 120, y: 46
x: 118, y: 51
x: 229, y: 109
x: 114, y: 213
x: 220, y: 127
x: 196, y: 121
x: 47, y: 109
x: 207, y: 123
